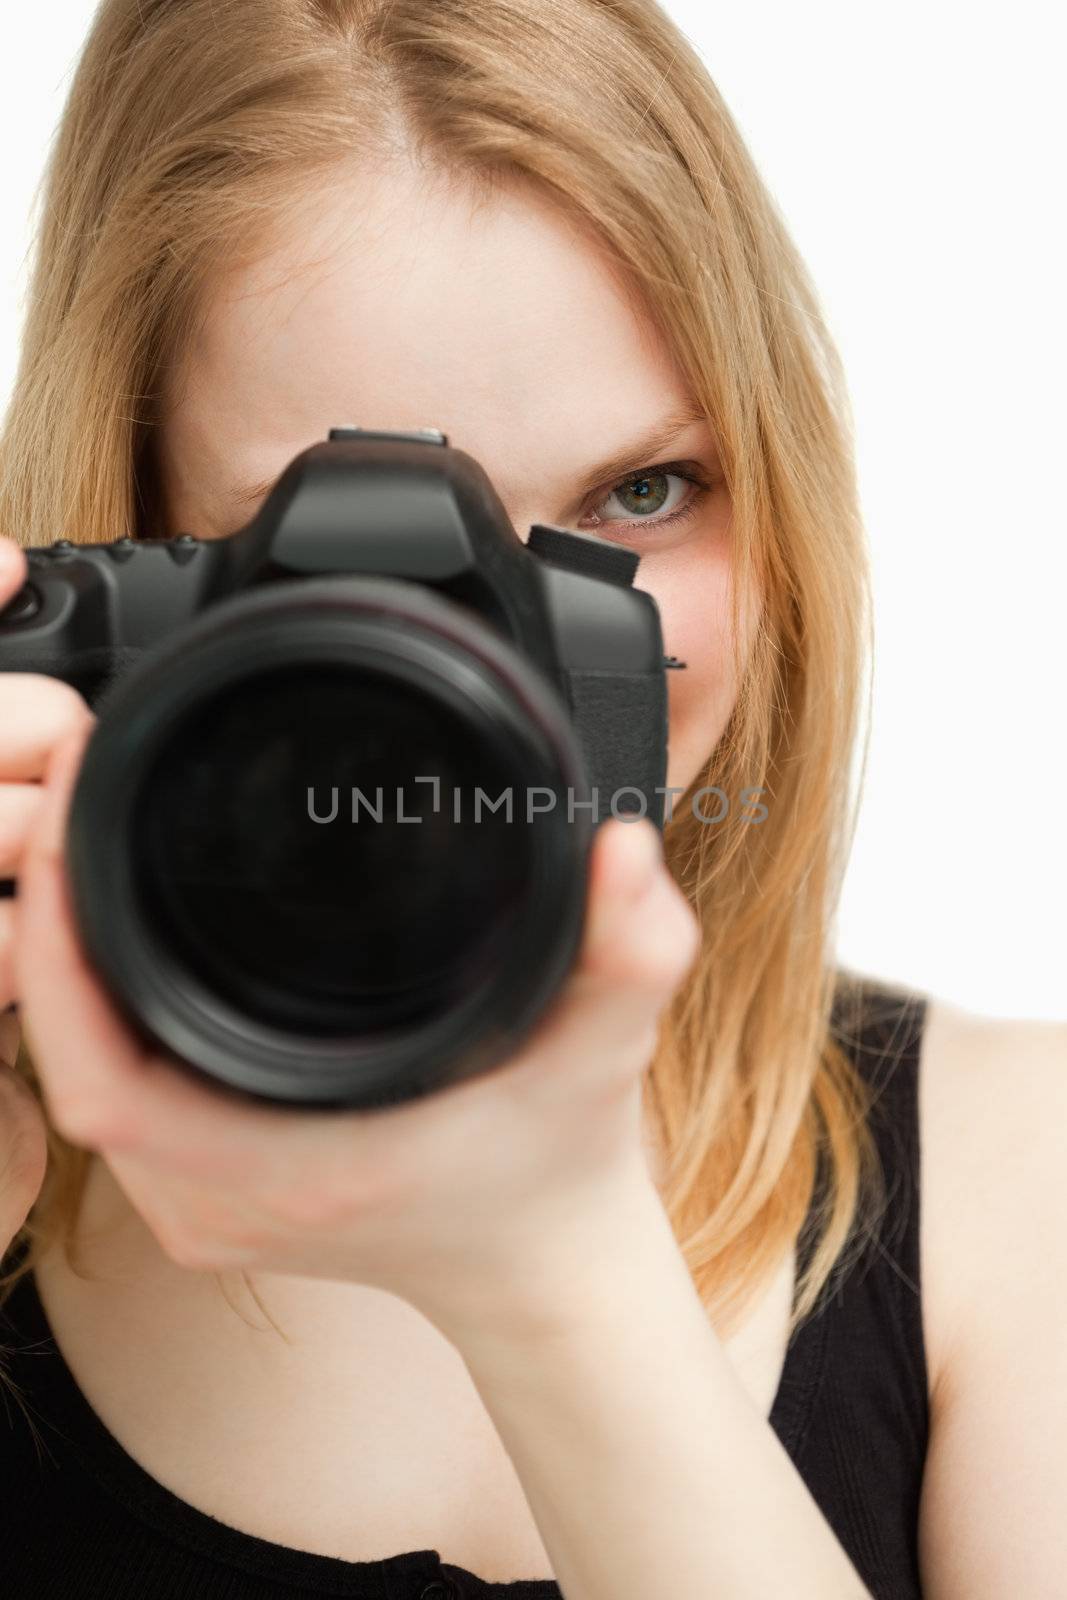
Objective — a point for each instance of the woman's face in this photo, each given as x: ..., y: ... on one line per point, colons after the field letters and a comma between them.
x: 388, y: 302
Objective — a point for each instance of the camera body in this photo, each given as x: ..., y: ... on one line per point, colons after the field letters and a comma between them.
x: 379, y: 601
x: 403, y: 506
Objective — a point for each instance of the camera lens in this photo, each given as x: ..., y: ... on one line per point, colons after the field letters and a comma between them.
x: 322, y: 848
x: 312, y: 843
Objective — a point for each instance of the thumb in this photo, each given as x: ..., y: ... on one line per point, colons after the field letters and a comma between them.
x: 640, y: 932
x: 12, y: 570
x: 639, y: 941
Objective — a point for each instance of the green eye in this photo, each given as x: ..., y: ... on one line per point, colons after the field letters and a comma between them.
x: 640, y: 495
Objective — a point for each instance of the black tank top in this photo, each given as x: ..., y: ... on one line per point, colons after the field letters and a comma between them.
x: 79, y: 1519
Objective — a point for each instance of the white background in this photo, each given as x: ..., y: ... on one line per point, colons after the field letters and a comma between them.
x: 917, y: 153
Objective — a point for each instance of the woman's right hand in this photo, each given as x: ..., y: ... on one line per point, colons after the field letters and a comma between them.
x: 36, y: 713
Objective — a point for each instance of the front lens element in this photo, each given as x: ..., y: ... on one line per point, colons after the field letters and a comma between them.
x: 311, y: 843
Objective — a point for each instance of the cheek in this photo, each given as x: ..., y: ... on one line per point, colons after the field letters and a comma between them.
x: 692, y: 590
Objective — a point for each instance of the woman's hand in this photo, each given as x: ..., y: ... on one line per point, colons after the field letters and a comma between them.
x: 461, y: 1202
x: 35, y: 713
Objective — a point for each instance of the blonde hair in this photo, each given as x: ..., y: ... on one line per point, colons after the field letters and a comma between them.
x: 188, y: 122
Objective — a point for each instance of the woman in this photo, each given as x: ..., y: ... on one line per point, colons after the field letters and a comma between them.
x: 575, y: 1322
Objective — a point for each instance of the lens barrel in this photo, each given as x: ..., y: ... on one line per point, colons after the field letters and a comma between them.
x: 328, y: 848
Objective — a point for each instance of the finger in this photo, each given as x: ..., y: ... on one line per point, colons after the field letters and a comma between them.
x: 640, y: 939
x: 102, y: 1088
x: 13, y: 569
x: 630, y: 881
x: 37, y: 712
x: 86, y: 1057
x: 18, y: 802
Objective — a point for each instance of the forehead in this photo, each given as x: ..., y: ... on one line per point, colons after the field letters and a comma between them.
x: 384, y: 299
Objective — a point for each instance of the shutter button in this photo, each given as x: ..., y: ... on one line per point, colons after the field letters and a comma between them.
x: 440, y: 1589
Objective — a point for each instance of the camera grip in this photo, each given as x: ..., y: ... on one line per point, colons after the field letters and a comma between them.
x: 86, y: 613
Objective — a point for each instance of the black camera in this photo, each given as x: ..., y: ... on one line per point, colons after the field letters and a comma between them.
x: 329, y: 839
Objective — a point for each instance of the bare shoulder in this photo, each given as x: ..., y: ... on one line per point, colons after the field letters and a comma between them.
x: 993, y: 1237
x: 993, y: 1138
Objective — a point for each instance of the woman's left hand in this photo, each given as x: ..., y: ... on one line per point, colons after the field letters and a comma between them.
x: 461, y: 1202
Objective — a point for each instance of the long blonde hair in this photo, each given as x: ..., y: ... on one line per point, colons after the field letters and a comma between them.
x: 187, y: 121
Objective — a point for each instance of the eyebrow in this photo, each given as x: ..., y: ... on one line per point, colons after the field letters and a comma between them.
x: 635, y: 454
x: 651, y: 443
